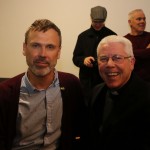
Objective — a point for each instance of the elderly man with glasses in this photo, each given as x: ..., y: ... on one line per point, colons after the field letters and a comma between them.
x: 120, y: 107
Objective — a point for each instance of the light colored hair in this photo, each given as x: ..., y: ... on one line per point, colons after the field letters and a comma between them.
x: 131, y: 14
x: 116, y: 39
x: 42, y: 25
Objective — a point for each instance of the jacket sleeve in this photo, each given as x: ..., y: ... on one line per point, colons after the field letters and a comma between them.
x: 3, y: 131
x: 78, y: 54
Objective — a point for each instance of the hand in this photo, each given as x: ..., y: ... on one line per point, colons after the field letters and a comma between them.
x: 148, y: 46
x: 88, y: 61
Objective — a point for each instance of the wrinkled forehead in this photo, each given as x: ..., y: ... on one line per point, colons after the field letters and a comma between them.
x: 112, y: 48
x: 139, y: 14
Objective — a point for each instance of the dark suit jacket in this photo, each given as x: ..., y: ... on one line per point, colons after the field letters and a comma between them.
x: 73, y: 118
x: 128, y: 125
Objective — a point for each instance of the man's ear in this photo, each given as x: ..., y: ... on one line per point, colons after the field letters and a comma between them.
x: 59, y: 52
x: 24, y: 49
x: 133, y: 62
x: 129, y: 22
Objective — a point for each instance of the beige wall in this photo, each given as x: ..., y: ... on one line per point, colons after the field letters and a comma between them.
x: 72, y: 17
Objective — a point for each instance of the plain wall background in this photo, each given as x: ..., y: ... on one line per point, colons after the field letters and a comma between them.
x: 71, y: 16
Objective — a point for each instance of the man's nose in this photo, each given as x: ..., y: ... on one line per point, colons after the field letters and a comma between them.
x: 110, y: 61
x: 43, y: 51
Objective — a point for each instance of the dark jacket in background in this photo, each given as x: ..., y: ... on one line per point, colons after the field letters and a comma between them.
x: 86, y: 45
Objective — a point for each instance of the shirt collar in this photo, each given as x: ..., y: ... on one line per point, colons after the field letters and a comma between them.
x: 27, y: 87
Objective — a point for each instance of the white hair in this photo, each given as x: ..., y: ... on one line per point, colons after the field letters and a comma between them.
x: 117, y: 39
x: 131, y: 14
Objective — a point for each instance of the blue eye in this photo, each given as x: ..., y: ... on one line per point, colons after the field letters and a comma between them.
x: 35, y: 45
x: 117, y: 58
x: 103, y: 58
x: 50, y: 46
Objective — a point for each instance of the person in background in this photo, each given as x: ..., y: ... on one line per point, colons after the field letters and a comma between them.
x: 120, y: 107
x: 141, y: 43
x: 42, y: 109
x: 84, y: 55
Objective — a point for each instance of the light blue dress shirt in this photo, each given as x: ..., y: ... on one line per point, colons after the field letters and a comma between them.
x: 39, y: 116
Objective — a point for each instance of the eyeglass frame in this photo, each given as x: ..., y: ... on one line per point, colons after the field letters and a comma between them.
x: 117, y: 59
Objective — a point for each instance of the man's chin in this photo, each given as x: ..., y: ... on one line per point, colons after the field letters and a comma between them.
x: 42, y: 72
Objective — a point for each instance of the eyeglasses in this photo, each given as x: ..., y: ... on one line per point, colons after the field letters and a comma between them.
x: 118, y: 59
